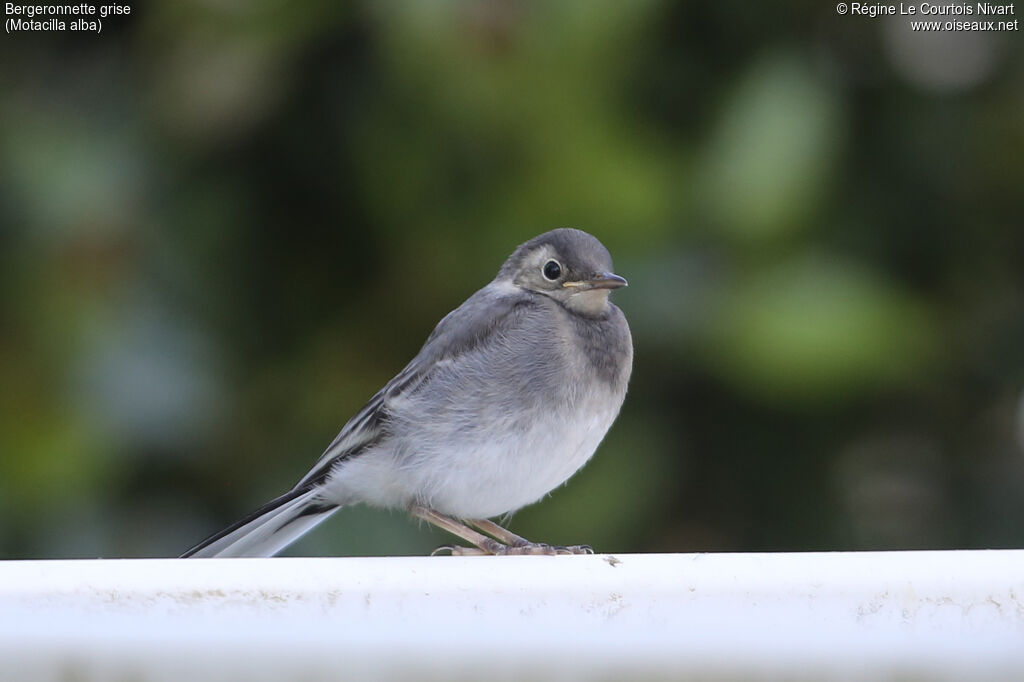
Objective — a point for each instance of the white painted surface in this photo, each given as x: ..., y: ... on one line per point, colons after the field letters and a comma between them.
x: 911, y: 615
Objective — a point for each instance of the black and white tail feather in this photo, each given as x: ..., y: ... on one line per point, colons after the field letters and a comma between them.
x: 269, y: 529
x: 285, y: 519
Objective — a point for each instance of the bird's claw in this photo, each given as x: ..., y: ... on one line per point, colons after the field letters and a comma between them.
x: 497, y: 549
x: 539, y: 548
x: 456, y: 550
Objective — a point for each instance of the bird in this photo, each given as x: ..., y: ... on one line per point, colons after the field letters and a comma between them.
x: 509, y: 396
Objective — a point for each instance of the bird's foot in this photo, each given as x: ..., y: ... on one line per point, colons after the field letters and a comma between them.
x: 532, y: 548
x: 498, y: 549
x: 502, y: 542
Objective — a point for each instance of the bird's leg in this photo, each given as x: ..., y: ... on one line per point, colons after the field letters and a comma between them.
x: 500, y: 533
x: 520, y: 545
x: 483, y: 544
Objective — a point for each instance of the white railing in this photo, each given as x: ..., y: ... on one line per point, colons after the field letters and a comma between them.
x: 814, y: 616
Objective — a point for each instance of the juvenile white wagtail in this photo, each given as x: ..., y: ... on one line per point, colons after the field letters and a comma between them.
x: 509, y: 397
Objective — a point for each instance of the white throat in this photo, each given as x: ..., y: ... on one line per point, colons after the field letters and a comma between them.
x: 591, y: 302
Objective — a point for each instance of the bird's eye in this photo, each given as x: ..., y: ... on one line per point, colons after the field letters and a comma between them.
x: 552, y: 270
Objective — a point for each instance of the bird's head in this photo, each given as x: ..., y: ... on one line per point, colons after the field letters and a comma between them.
x: 568, y: 265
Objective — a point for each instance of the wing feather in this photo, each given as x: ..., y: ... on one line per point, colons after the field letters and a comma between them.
x: 488, y: 312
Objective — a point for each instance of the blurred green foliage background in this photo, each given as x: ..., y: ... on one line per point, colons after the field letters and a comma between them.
x: 224, y: 225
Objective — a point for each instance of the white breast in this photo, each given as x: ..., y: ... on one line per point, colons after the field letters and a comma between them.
x: 489, y: 472
x: 516, y: 470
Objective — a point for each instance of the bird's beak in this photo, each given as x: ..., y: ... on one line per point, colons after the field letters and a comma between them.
x: 604, y: 280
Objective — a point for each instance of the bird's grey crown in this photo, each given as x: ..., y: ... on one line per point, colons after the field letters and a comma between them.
x: 580, y: 252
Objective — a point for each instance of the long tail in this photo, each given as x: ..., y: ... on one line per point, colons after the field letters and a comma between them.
x: 269, y: 529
